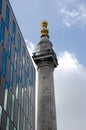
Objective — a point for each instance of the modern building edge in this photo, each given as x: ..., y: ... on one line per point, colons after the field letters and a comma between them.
x: 17, y: 75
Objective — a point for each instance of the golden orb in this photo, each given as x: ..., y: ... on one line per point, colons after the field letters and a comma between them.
x: 44, y: 24
x: 44, y: 30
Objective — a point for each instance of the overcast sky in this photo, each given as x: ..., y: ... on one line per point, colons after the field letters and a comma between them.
x: 67, y: 30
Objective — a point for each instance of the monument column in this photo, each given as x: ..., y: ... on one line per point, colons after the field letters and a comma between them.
x: 46, y: 61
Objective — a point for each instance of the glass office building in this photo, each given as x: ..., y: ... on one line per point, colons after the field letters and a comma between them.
x: 17, y: 75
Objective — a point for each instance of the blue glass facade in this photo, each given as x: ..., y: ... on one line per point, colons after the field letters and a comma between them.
x: 17, y: 80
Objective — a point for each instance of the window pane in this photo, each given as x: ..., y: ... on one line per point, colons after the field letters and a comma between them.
x: 12, y: 112
x: 0, y: 6
x: 2, y: 31
x: 14, y: 128
x: 24, y: 55
x: 22, y: 97
x: 5, y: 96
x: 34, y: 78
x: 17, y: 85
x: 27, y: 106
x: 0, y: 114
x: 28, y: 126
x: 24, y: 123
x: 19, y: 45
x: 15, y: 59
x: 7, y: 16
x: 4, y: 61
x: 25, y: 80
x: 28, y: 67
x: 31, y: 76
x: 7, y: 123
x: 31, y: 115
x: 11, y: 76
x: 9, y: 46
x: 13, y: 32
x: 20, y: 71
x: 18, y: 117
x: 29, y: 91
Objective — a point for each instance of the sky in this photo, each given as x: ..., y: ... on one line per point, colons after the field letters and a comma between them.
x: 67, y: 31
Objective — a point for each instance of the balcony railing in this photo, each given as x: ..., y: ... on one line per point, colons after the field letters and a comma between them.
x: 44, y: 52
